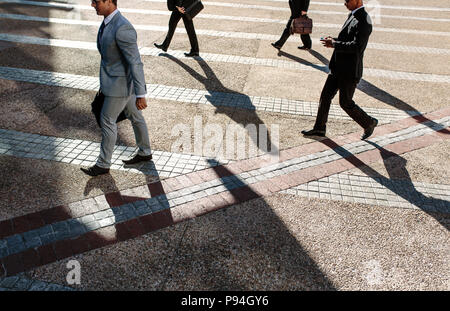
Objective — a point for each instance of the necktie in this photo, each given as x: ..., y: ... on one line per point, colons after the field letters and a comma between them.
x: 100, y: 31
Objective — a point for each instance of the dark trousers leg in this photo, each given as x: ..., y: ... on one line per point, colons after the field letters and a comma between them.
x: 346, y: 92
x: 328, y: 92
x: 285, y: 35
x: 189, y: 25
x: 306, y: 40
x: 173, y: 21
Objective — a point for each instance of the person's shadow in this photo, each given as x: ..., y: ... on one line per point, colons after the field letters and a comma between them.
x: 227, y: 101
x: 367, y: 88
x: 126, y: 208
x: 396, y: 166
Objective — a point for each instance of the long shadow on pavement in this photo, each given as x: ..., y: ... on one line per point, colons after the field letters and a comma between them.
x: 433, y: 206
x: 373, y: 91
x: 243, y: 247
x: 246, y: 114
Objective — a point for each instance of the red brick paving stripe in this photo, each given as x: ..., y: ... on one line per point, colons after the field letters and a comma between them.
x: 6, y: 228
x: 27, y: 222
x: 13, y: 264
x: 2, y: 270
x: 30, y: 259
x: 114, y: 199
x: 33, y: 221
x: 80, y: 245
x: 62, y: 249
x: 46, y: 254
x: 55, y: 214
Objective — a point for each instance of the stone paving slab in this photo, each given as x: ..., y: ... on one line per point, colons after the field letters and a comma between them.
x: 387, y: 18
x: 394, y: 39
x: 329, y: 244
x: 20, y: 283
x: 379, y: 191
x: 187, y: 95
x: 17, y: 254
x: 84, y: 153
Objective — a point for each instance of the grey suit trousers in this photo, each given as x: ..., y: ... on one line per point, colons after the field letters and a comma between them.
x: 111, y: 109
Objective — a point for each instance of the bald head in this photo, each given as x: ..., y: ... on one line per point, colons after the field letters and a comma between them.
x: 353, y: 4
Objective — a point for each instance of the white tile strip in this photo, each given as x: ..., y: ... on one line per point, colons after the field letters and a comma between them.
x: 378, y: 5
x: 106, y: 216
x: 287, y: 9
x: 270, y: 62
x: 237, y: 18
x: 195, y: 96
x: 239, y: 35
x: 380, y: 191
x: 85, y: 153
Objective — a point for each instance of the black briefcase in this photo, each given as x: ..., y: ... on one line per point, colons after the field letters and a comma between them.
x: 192, y: 8
x: 97, y: 105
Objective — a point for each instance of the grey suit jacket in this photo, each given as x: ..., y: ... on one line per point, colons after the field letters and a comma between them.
x: 121, y: 68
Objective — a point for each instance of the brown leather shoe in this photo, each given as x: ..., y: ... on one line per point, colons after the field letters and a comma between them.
x: 137, y: 158
x: 95, y: 170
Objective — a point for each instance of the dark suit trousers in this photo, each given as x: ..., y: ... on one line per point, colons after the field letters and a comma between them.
x: 346, y: 88
x: 188, y: 24
x: 306, y: 39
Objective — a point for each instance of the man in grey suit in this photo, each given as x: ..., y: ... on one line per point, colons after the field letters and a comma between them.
x: 122, y: 82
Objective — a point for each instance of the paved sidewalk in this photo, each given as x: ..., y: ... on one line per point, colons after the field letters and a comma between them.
x: 333, y: 213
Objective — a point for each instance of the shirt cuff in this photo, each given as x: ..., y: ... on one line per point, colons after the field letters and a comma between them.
x: 141, y: 96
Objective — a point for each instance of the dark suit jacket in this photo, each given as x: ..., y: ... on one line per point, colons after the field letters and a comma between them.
x: 171, y: 4
x: 347, y: 58
x: 297, y: 6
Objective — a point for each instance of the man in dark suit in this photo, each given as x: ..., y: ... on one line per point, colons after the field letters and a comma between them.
x: 298, y: 7
x: 122, y: 82
x: 346, y: 66
x: 177, y: 13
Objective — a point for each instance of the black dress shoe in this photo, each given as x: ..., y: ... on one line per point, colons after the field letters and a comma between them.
x: 275, y: 45
x: 160, y: 46
x: 95, y: 170
x: 313, y: 132
x: 369, y: 130
x: 302, y: 47
x: 137, y: 158
x: 191, y: 54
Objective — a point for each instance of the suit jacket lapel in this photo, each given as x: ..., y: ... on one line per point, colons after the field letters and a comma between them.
x: 349, y: 19
x: 98, y: 40
x: 108, y: 28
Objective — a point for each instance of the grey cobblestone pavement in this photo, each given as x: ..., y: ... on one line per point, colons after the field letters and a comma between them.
x: 79, y: 152
x: 377, y: 191
x: 186, y: 95
x: 364, y: 228
x: 245, y: 35
x: 21, y: 283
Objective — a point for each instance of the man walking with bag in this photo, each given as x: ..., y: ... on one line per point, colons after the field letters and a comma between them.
x: 346, y: 66
x: 123, y: 84
x: 298, y: 8
x: 178, y: 12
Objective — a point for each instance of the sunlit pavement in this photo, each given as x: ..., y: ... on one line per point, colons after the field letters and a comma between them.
x: 336, y: 213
